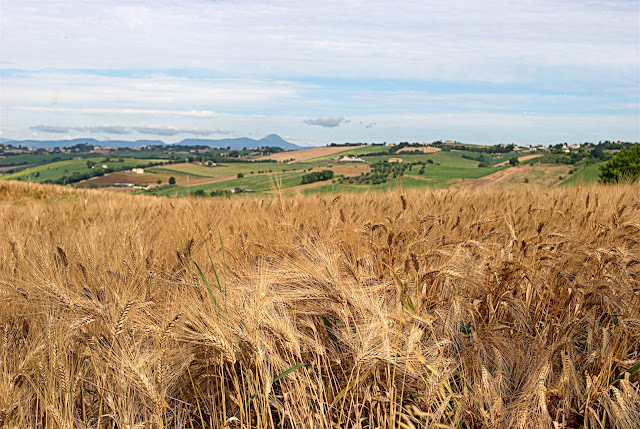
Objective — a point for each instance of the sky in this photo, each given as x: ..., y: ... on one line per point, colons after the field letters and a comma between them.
x: 316, y: 72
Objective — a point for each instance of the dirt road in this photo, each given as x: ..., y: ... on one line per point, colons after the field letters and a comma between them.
x: 494, y: 179
x: 520, y: 159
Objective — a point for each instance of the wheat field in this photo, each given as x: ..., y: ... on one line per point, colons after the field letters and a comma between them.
x: 452, y: 308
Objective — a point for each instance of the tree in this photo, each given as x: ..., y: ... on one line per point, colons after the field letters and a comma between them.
x: 513, y: 161
x: 623, y: 166
x: 172, y: 180
x: 240, y: 175
x: 598, y: 154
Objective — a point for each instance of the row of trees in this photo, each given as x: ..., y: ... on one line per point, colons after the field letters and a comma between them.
x: 317, y: 176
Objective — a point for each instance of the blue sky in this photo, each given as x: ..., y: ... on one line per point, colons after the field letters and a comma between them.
x: 318, y: 72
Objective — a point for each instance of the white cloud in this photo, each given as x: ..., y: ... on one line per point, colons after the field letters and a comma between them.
x: 80, y: 89
x: 120, y: 129
x: 50, y: 129
x: 327, y: 121
x: 458, y: 40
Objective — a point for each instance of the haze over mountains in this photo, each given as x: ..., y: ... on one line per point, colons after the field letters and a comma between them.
x: 272, y: 140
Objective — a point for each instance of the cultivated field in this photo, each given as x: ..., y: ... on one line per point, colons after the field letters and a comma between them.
x: 306, y: 154
x: 426, y: 149
x: 420, y: 309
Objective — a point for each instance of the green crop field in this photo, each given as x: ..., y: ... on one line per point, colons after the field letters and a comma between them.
x: 47, y: 171
x: 446, y: 159
x: 35, y: 159
x: 588, y: 174
x: 232, y: 169
x: 348, y: 152
x: 257, y: 183
x: 442, y: 176
x: 57, y: 170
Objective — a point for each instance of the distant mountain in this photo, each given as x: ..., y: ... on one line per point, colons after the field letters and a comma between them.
x: 73, y: 142
x: 272, y: 140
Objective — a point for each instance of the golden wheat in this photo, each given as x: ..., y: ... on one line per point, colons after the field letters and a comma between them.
x: 451, y: 308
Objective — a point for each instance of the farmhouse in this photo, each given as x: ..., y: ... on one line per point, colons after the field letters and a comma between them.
x: 137, y: 170
x: 349, y: 158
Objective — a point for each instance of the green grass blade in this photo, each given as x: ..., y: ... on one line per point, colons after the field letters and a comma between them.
x: 332, y: 336
x: 248, y: 404
x: 410, y: 305
x: 214, y: 270
x: 206, y: 283
x: 290, y: 370
x: 635, y: 368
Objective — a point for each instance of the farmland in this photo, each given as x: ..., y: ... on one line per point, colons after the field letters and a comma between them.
x: 202, y: 171
x: 315, y: 153
x: 57, y: 171
x: 409, y: 308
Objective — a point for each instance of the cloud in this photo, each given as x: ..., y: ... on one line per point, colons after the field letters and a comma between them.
x: 370, y: 125
x: 105, y: 129
x: 457, y: 40
x: 109, y: 129
x: 327, y: 121
x: 158, y: 131
x: 50, y: 129
x: 172, y: 131
x: 120, y: 129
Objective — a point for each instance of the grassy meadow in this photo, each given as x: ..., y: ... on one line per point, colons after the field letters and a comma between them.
x: 404, y: 309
